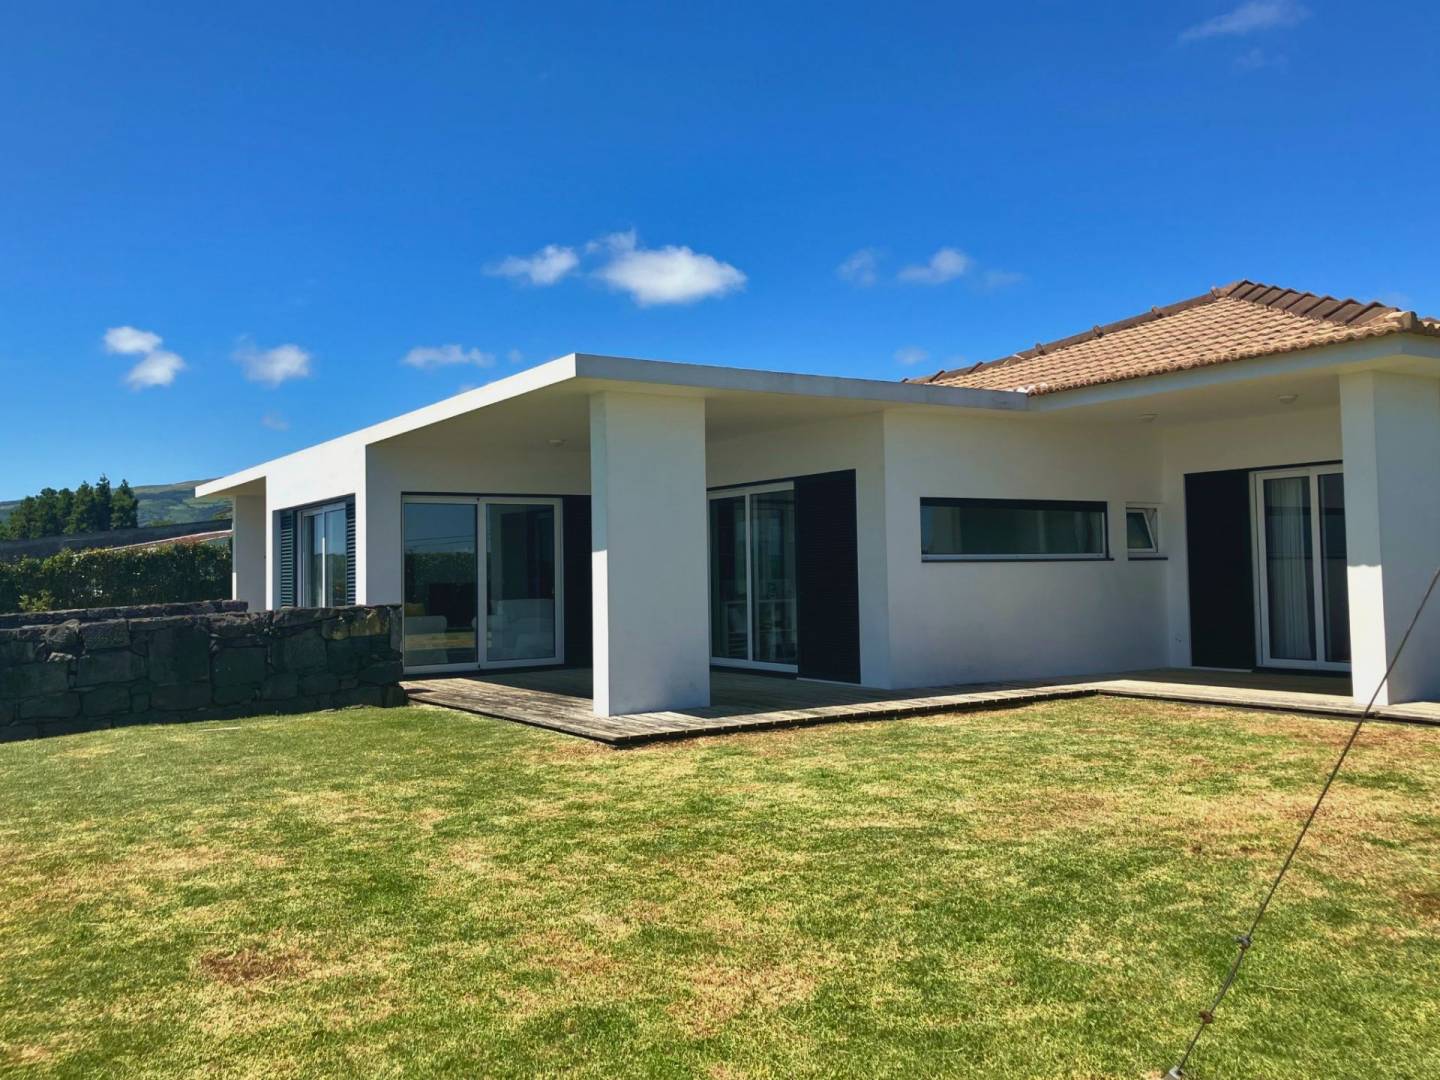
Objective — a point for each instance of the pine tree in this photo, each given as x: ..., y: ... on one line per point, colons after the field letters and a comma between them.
x: 100, y: 520
x: 124, y: 507
x: 50, y: 520
x: 81, y: 516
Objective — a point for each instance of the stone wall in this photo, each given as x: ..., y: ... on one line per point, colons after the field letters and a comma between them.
x: 78, y: 676
x: 13, y: 619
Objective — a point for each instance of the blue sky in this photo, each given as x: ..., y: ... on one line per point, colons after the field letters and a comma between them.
x: 225, y: 228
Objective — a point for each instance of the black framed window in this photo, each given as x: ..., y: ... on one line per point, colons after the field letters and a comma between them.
x: 1012, y: 529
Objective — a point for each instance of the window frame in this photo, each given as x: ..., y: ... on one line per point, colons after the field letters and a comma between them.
x: 304, y: 522
x: 480, y: 503
x: 746, y: 492
x: 1080, y: 505
x: 1151, y: 512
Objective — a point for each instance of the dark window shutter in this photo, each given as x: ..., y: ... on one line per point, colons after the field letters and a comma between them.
x: 1222, y: 591
x: 287, y: 558
x: 827, y: 574
x: 350, y: 551
x: 575, y: 528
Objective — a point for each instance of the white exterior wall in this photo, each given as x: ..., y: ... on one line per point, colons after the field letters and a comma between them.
x: 1392, y: 530
x: 1295, y: 437
x: 247, y: 551
x: 330, y: 471
x: 649, y: 564
x: 399, y: 467
x: 955, y: 622
x: 855, y: 442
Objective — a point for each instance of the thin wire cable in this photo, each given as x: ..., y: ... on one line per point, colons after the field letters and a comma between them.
x: 1207, y: 1016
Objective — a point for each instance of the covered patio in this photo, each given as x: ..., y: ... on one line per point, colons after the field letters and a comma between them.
x: 561, y: 700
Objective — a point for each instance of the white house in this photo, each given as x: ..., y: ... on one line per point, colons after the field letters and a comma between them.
x: 1248, y: 479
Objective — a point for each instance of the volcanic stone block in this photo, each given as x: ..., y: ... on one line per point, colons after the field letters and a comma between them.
x: 232, y: 666
x: 111, y: 666
x: 33, y: 680
x: 344, y: 657
x: 304, y: 651
x: 106, y: 700
x: 16, y: 648
x: 281, y: 685
x: 292, y: 617
x: 64, y: 638
x: 179, y: 654
x: 114, y: 634
x: 322, y: 682
x: 388, y: 671
x: 233, y: 695
x: 183, y: 696
x: 50, y: 706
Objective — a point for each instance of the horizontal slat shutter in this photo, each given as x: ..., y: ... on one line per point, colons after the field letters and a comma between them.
x: 350, y: 551
x: 287, y: 558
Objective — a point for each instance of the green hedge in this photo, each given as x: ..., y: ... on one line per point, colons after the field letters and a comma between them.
x: 170, y: 573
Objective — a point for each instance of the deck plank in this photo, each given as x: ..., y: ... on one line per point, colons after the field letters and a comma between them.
x: 560, y: 700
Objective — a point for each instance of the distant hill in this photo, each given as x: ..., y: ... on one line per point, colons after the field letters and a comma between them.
x: 163, y: 502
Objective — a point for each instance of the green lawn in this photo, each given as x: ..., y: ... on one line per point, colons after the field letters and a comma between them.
x: 1039, y: 892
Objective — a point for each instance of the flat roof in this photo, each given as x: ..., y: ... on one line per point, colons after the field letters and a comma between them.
x: 687, y: 379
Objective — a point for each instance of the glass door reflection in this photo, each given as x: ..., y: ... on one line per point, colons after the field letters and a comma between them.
x: 520, y: 611
x: 441, y: 585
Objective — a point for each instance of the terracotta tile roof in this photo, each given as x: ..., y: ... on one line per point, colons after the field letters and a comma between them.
x: 1237, y: 322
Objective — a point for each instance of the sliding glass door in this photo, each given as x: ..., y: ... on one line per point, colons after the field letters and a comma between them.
x: 324, y: 565
x: 462, y: 611
x: 752, y: 577
x: 441, y: 585
x: 520, y: 583
x: 1302, y: 596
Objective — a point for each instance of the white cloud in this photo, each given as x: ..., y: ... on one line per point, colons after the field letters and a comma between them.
x: 429, y: 357
x: 945, y: 265
x: 999, y: 279
x: 157, y: 368
x: 515, y: 356
x: 273, y: 366
x: 860, y: 268
x: 668, y: 275
x: 275, y: 422
x: 615, y: 242
x: 128, y: 341
x: 911, y: 355
x: 1249, y: 18
x: 545, y: 267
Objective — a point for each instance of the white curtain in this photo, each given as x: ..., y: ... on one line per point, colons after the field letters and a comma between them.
x: 1288, y: 569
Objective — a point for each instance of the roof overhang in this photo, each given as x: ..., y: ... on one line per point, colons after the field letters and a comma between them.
x: 584, y: 373
x: 1227, y: 384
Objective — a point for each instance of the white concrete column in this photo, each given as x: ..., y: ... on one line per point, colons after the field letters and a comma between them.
x: 648, y: 552
x: 1390, y: 425
x: 248, y: 543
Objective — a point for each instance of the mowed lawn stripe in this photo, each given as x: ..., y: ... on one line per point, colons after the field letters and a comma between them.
x: 1044, y: 891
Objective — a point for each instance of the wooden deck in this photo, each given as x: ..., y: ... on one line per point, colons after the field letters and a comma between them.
x: 560, y: 699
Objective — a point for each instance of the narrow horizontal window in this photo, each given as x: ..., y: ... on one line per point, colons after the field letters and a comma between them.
x: 1011, y: 529
x: 1142, y: 530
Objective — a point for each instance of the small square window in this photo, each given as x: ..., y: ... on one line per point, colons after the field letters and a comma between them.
x: 1142, y: 530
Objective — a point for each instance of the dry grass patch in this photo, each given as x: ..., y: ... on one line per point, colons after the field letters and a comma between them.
x: 246, y: 967
x: 1047, y: 891
x: 718, y: 992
